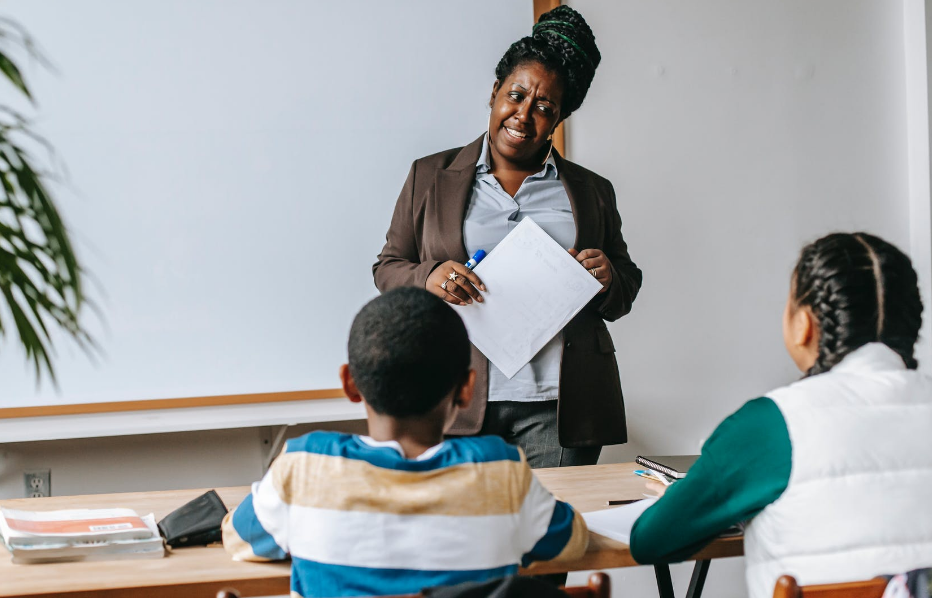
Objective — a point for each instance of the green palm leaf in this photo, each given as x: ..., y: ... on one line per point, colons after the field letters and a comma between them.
x: 40, y: 277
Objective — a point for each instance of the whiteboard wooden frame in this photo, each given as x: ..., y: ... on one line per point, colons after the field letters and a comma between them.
x: 159, y: 404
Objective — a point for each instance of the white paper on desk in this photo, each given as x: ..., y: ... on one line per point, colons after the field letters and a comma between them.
x: 617, y: 523
x: 535, y: 289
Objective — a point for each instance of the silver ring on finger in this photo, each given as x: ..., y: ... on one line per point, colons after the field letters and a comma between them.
x: 592, y: 271
x: 453, y: 276
x: 444, y: 285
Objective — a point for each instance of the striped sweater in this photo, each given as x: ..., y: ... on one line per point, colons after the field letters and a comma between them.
x: 360, y: 519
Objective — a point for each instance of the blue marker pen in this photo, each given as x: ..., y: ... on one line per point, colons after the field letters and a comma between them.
x: 651, y: 475
x: 476, y: 258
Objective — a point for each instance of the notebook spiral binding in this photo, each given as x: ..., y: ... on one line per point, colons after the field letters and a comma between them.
x: 671, y: 473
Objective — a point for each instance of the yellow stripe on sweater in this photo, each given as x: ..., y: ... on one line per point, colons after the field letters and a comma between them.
x: 578, y: 543
x: 238, y: 548
x: 481, y: 489
x: 575, y: 548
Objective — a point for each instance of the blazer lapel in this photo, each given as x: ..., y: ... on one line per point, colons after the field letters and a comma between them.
x: 452, y: 188
x: 583, y: 202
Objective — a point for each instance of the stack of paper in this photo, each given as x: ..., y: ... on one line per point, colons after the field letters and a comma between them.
x: 79, y: 535
x: 535, y: 288
x: 617, y: 523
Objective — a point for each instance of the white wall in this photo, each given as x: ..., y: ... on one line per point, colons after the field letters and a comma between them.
x: 734, y: 133
x: 136, y: 463
x: 173, y: 461
x: 916, y: 52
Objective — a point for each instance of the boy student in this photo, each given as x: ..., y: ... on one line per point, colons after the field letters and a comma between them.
x: 402, y: 509
x: 834, y: 472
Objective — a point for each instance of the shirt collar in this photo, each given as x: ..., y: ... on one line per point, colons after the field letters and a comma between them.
x: 484, y: 164
x: 394, y: 444
x: 872, y: 357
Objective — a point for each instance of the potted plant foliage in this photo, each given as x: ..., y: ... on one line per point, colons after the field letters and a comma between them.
x: 40, y: 278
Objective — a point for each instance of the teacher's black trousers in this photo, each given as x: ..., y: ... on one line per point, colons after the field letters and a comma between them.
x: 533, y: 426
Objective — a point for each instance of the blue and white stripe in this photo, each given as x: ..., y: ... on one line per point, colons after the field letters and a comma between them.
x: 359, y: 519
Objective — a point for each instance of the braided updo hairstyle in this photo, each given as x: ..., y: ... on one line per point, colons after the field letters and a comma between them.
x: 861, y: 290
x: 563, y: 43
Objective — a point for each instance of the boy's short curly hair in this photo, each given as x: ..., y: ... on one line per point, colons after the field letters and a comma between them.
x: 407, y: 350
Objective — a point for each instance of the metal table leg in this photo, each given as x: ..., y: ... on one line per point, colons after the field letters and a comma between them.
x: 664, y: 581
x: 698, y: 579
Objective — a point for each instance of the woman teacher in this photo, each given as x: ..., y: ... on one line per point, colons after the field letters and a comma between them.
x: 564, y: 405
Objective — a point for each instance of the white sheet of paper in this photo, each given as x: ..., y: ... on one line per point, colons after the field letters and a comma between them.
x: 535, y: 287
x: 617, y: 523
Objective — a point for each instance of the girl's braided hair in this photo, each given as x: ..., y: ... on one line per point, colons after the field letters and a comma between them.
x: 861, y: 290
x: 562, y: 42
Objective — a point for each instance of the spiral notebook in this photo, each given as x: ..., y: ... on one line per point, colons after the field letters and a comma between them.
x: 674, y: 466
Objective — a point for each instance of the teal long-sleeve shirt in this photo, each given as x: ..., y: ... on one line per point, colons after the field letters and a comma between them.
x: 744, y: 466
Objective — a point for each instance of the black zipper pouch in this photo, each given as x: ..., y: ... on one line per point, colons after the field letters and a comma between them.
x: 196, y: 523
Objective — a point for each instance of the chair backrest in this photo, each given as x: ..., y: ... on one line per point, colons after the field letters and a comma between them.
x: 788, y: 588
x: 600, y: 586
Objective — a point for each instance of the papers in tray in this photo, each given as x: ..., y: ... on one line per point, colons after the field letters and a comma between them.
x: 535, y: 289
x: 616, y: 523
x: 79, y: 535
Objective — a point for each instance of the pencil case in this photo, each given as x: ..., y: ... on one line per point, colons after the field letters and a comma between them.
x: 196, y: 523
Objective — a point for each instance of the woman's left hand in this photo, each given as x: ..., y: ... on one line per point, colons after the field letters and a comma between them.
x: 596, y: 262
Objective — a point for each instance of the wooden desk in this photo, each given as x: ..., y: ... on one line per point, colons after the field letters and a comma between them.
x: 587, y: 489
x: 196, y: 572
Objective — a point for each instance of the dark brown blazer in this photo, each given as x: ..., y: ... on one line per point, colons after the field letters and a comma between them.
x: 427, y: 230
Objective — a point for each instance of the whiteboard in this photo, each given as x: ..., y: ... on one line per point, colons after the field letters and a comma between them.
x: 233, y: 166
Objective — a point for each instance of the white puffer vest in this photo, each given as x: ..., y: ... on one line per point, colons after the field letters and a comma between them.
x: 859, y: 499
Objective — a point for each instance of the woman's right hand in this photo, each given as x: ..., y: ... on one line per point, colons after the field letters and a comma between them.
x: 461, y: 289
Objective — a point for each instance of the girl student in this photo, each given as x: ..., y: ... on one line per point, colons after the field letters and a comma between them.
x: 833, y: 472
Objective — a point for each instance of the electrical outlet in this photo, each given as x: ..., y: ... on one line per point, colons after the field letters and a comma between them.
x: 38, y: 483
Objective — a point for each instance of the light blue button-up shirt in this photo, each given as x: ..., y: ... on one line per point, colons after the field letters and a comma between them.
x: 491, y: 215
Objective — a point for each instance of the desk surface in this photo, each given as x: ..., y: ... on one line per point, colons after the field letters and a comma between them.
x: 192, y: 572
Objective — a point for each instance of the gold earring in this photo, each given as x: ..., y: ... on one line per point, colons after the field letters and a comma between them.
x: 549, y: 150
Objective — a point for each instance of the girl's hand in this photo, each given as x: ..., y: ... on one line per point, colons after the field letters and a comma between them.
x: 596, y: 262
x: 657, y: 488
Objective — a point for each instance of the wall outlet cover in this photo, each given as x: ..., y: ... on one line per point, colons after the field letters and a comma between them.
x: 38, y: 483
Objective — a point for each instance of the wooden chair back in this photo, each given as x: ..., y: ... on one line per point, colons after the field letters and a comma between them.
x: 600, y: 586
x: 788, y: 588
